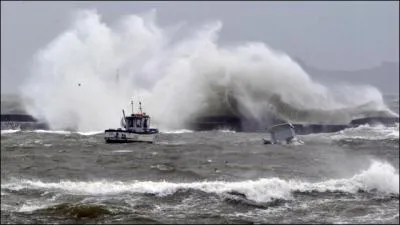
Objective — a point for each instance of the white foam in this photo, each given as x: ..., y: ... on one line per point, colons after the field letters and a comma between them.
x: 369, y: 132
x: 182, y: 131
x: 53, y: 131
x: 259, y: 190
x: 88, y: 133
x: 30, y: 206
x: 380, y: 176
x: 122, y: 151
x: 227, y: 131
x: 9, y: 131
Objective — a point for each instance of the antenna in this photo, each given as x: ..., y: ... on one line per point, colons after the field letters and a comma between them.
x: 132, y: 105
x: 140, y: 107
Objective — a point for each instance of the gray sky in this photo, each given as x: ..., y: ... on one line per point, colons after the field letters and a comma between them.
x: 326, y: 35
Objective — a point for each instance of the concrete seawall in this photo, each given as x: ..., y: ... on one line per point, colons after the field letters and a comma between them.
x: 28, y: 122
x: 21, y: 121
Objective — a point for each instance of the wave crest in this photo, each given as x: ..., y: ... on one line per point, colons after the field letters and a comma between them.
x: 380, y: 177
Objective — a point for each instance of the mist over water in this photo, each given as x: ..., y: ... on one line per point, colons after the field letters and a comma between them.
x: 74, y: 83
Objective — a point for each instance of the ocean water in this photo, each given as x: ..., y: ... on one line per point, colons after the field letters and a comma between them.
x: 351, y: 176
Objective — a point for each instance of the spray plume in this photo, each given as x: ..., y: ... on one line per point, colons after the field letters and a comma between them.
x: 74, y: 82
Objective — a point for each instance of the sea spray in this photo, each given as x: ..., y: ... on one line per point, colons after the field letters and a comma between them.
x: 74, y: 83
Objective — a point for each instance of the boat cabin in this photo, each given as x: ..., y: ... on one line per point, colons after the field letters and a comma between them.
x: 283, y: 132
x: 139, y: 122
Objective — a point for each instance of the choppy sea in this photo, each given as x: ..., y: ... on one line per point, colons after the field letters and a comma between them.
x: 351, y: 176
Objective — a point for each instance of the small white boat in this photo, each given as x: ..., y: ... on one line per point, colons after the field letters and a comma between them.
x: 136, y: 128
x: 282, y: 134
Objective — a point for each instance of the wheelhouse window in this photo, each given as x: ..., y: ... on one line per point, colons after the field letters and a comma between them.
x: 130, y: 123
x: 138, y: 122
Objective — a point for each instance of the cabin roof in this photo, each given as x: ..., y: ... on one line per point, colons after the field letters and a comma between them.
x: 138, y: 115
x: 281, y: 125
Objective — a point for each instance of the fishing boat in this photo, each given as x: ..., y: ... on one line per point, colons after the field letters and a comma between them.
x: 135, y: 128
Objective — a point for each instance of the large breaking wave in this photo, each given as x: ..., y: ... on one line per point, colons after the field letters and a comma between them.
x: 380, y: 177
x: 74, y: 82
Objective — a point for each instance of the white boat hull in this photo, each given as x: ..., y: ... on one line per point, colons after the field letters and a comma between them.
x: 121, y: 136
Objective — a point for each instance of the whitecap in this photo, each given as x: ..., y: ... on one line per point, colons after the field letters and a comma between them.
x: 380, y: 176
x: 182, y: 131
x: 122, y: 151
x: 9, y: 131
x: 88, y: 133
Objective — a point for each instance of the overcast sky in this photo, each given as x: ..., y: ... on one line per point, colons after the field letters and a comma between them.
x: 326, y: 35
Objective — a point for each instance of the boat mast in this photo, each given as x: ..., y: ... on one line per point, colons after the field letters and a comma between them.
x: 140, y: 107
x: 132, y: 105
